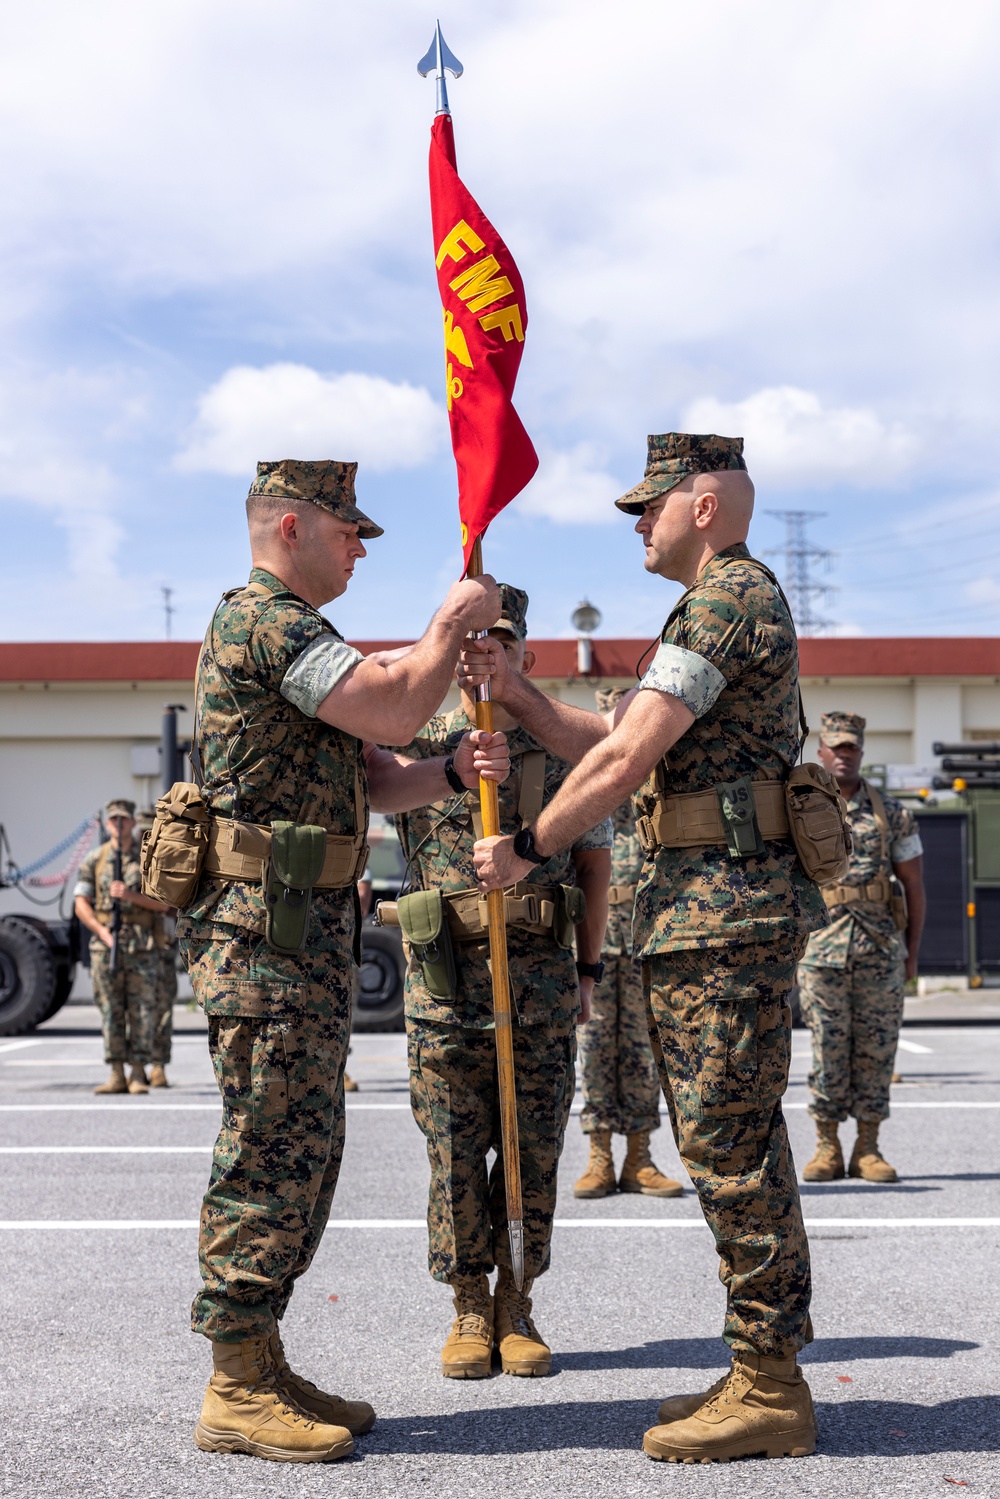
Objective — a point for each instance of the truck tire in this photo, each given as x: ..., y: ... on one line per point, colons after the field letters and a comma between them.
x: 27, y: 977
x: 56, y: 934
x: 378, y: 993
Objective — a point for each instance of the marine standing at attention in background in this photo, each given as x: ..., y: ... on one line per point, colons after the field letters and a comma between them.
x: 852, y: 975
x: 451, y: 1044
x: 126, y: 998
x: 621, y: 1091
x: 288, y: 716
x: 707, y: 742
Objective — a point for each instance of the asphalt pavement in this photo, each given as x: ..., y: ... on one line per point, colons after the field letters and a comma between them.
x: 101, y: 1380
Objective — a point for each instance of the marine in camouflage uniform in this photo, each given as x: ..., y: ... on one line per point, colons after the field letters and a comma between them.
x: 127, y: 998
x: 278, y: 1020
x: 452, y: 1051
x: 166, y: 984
x: 719, y: 935
x: 852, y: 975
x: 621, y: 1090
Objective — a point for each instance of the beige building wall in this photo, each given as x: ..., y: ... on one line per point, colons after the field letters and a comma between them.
x: 66, y: 749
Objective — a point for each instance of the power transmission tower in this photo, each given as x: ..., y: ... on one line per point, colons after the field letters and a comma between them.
x: 168, y: 609
x: 803, y: 591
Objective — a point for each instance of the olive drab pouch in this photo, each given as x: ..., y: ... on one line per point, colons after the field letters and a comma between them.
x: 571, y: 908
x: 421, y: 915
x: 173, y: 850
x: 296, y: 863
x: 817, y: 821
x: 739, y: 818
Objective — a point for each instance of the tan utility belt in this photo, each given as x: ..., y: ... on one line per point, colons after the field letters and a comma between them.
x: 878, y: 892
x: 692, y: 818
x: 622, y: 895
x: 530, y: 908
x: 137, y: 916
x: 239, y: 851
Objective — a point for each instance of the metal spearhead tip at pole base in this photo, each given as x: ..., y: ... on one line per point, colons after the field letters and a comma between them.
x: 437, y: 59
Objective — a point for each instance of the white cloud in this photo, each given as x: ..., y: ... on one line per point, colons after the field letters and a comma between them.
x: 572, y: 489
x: 290, y: 409
x: 792, y: 439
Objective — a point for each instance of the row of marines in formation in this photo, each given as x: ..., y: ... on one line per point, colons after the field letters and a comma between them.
x: 682, y: 955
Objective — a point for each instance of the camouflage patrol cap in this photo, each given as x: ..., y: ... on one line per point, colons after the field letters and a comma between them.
x: 120, y: 807
x: 672, y: 456
x: 325, y: 482
x: 608, y: 698
x: 513, y: 612
x: 842, y: 728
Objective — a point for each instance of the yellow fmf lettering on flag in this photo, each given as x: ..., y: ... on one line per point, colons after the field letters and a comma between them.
x: 475, y: 287
x: 508, y: 320
x: 456, y: 243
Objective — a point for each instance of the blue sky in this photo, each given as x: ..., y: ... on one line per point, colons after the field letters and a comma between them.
x: 749, y: 216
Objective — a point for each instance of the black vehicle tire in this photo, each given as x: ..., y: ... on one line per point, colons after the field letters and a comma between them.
x: 378, y: 995
x: 57, y: 935
x: 27, y: 977
x: 65, y: 974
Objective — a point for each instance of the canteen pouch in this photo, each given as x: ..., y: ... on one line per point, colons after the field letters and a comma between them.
x: 571, y: 908
x: 422, y: 918
x: 897, y: 905
x: 817, y: 821
x: 173, y: 850
x: 739, y: 818
x: 298, y: 851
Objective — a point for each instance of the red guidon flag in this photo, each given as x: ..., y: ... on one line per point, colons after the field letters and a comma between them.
x: 482, y: 297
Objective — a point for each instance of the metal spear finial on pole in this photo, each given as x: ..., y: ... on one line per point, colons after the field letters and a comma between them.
x: 439, y: 59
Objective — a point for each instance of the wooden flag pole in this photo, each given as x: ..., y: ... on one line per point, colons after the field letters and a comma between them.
x: 490, y: 810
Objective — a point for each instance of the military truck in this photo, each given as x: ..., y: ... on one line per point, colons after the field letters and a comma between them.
x: 378, y: 997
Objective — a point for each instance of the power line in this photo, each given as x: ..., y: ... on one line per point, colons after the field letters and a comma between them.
x: 803, y: 591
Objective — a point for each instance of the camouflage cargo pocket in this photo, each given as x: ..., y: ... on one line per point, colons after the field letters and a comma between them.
x: 744, y: 1053
x: 256, y: 1068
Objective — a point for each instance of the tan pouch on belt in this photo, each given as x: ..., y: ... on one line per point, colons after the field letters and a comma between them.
x: 817, y: 820
x: 173, y: 850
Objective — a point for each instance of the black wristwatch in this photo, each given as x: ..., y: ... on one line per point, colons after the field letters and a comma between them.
x: 452, y: 776
x: 524, y: 847
x: 593, y: 971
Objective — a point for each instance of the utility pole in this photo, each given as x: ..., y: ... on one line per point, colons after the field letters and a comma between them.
x: 168, y: 609
x: 802, y: 589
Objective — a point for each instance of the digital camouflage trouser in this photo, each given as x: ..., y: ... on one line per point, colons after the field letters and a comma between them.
x: 720, y: 1030
x: 854, y: 1014
x: 127, y: 1003
x: 166, y: 997
x: 621, y: 1091
x: 280, y: 1069
x: 453, y: 1093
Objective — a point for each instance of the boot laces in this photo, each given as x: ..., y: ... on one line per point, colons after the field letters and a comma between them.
x: 470, y: 1324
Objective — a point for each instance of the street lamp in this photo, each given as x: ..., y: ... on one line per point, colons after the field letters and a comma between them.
x: 585, y: 619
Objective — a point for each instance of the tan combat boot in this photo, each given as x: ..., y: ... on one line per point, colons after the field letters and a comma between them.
x: 763, y: 1409
x: 522, y: 1348
x: 676, y: 1407
x: 158, y: 1076
x: 827, y: 1164
x: 330, y: 1410
x: 599, y: 1178
x: 137, y: 1080
x: 116, y: 1082
x: 243, y: 1411
x: 639, y: 1173
x: 350, y: 1086
x: 866, y: 1158
x: 468, y: 1349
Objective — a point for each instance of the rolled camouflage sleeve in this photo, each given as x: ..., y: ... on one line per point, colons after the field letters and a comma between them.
x: 906, y: 842
x: 603, y: 836
x: 86, y: 884
x: 685, y: 675
x: 316, y: 671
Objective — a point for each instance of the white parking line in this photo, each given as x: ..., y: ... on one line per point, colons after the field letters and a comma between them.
x: 18, y: 1045
x: 914, y: 1046
x: 111, y: 1225
x: 105, y: 1149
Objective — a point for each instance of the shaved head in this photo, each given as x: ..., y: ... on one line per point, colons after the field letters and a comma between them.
x: 701, y: 516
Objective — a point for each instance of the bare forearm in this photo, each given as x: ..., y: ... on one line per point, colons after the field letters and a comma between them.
x: 590, y: 932
x: 399, y: 785
x: 85, y: 913
x: 916, y: 909
x: 564, y: 730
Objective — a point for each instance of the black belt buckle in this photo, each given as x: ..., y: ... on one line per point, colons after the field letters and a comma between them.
x: 739, y: 818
